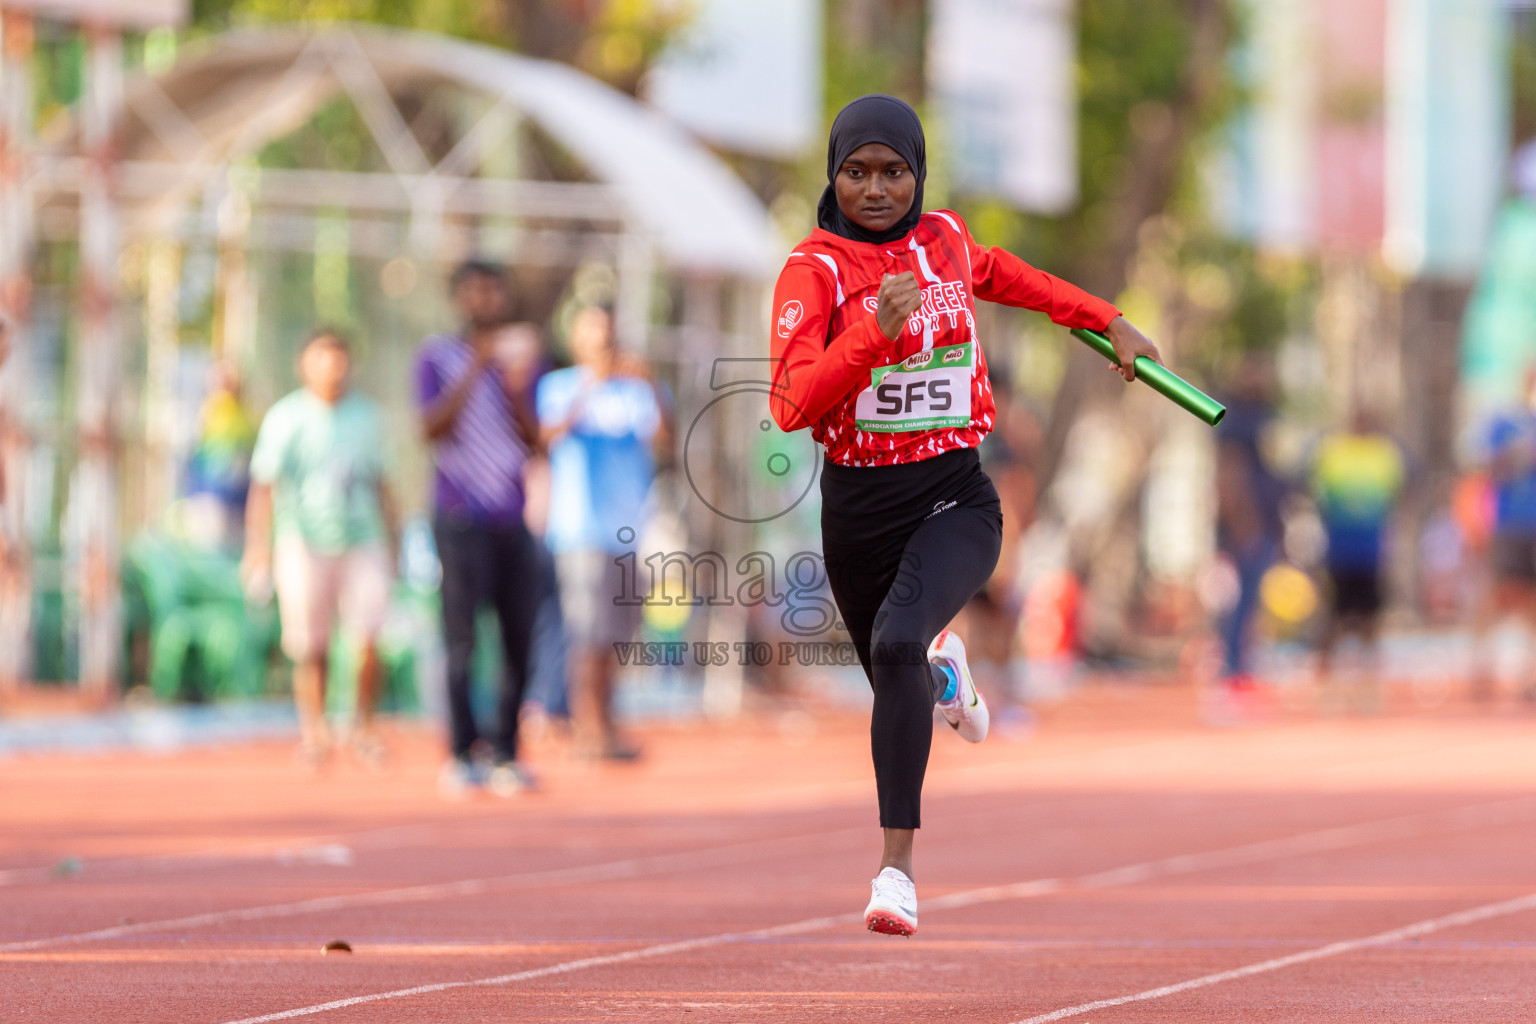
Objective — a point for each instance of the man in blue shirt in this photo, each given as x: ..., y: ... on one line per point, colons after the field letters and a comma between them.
x: 600, y: 419
x: 1249, y: 530
x: 1511, y: 465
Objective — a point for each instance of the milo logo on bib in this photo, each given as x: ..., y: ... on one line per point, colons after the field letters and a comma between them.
x: 927, y: 391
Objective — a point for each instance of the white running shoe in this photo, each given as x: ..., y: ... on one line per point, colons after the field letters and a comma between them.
x: 966, y: 711
x: 892, y: 906
x: 458, y: 777
x: 510, y: 778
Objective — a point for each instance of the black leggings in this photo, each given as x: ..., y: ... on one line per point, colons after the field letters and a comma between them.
x: 906, y: 547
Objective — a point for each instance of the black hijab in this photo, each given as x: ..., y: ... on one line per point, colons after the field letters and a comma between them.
x: 873, y: 118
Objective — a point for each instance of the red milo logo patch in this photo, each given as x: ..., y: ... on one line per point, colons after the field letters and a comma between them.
x: 954, y: 355
x: 789, y: 316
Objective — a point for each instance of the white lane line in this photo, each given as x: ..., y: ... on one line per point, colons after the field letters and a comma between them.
x: 114, y: 868
x: 1460, y: 819
x: 627, y: 868
x: 644, y: 953
x: 964, y: 775
x: 1411, y: 931
x: 631, y: 867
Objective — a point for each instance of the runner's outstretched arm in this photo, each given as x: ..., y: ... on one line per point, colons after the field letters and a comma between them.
x: 999, y: 276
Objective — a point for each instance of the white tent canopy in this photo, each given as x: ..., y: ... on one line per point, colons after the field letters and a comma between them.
x: 246, y: 88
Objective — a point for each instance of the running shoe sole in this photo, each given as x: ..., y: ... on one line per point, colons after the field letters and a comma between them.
x: 887, y: 923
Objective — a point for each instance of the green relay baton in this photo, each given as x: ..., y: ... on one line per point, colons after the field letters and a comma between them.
x: 1160, y: 379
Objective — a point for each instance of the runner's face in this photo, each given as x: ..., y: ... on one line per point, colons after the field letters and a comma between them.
x: 874, y: 187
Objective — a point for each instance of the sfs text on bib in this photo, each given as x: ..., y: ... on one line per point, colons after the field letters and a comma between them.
x: 928, y: 391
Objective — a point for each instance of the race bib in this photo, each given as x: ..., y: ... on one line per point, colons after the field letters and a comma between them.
x: 928, y: 391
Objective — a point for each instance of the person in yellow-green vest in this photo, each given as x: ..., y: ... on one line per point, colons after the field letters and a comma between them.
x: 1357, y: 477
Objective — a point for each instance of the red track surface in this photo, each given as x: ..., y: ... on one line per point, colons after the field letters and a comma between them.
x: 1125, y: 850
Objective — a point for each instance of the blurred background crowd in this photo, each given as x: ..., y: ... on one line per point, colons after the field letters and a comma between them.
x: 317, y: 268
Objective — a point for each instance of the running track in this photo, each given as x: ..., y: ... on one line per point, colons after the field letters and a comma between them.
x: 1124, y: 864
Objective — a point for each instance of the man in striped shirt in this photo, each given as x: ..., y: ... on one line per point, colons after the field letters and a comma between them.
x: 479, y: 422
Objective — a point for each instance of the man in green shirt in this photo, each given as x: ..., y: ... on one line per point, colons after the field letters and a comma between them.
x: 318, y: 527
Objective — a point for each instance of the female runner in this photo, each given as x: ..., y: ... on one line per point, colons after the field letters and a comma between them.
x: 876, y: 351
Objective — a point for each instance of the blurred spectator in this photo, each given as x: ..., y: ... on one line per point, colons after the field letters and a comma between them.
x: 522, y: 356
x: 219, y: 471
x: 478, y: 417
x: 1445, y: 553
x: 1357, y: 477
x: 15, y: 589
x: 1248, y: 523
x: 995, y: 614
x: 5, y: 544
x: 92, y: 562
x: 5, y: 350
x: 319, y: 524
x: 600, y: 419
x: 1511, y: 467
x: 1453, y: 548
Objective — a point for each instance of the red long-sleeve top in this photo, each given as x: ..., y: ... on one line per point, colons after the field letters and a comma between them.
x: 873, y: 401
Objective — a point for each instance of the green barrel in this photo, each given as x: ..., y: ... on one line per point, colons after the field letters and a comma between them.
x: 1160, y: 379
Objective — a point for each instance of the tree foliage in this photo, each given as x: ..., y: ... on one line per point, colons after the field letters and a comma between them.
x: 1524, y: 43
x: 616, y: 40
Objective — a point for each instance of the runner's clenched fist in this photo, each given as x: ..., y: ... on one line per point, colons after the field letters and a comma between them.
x: 899, y: 298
